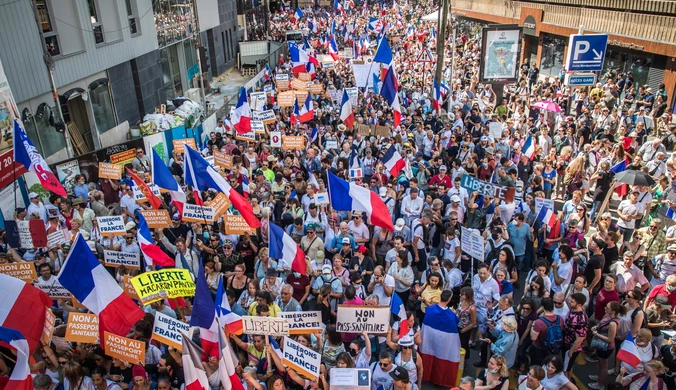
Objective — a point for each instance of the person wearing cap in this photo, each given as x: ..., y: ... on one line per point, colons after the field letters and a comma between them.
x: 362, y: 264
x: 441, y: 178
x: 327, y: 279
x: 311, y: 243
x: 340, y: 239
x: 81, y: 211
x: 317, y: 217
x: 401, y: 381
x: 128, y: 204
x: 668, y: 289
x: 406, y: 357
x: 629, y: 212
x: 388, y: 200
x: 358, y: 228
x: 659, y: 316
x: 36, y: 207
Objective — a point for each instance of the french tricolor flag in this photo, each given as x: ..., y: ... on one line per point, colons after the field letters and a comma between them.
x: 437, y: 95
x: 224, y: 313
x: 528, y: 148
x: 333, y: 48
x: 245, y: 187
x: 393, y: 161
x: 628, y: 352
x: 91, y: 284
x: 396, y: 110
x: 241, y: 116
x: 23, y: 308
x: 268, y: 73
x: 195, y: 375
x: 284, y: 248
x: 204, y: 316
x: 298, y: 14
x: 152, y: 254
x: 622, y: 189
x: 21, y: 378
x: 346, y: 114
x: 398, y: 309
x: 346, y: 196
x: 311, y: 69
x: 227, y: 361
x: 410, y: 33
x: 547, y: 216
x: 296, y: 112
x: 338, y: 6
x: 440, y: 348
x: 163, y: 178
x: 307, y: 111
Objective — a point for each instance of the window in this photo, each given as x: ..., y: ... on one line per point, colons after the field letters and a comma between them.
x: 51, y: 37
x: 96, y: 22
x: 132, y: 18
x: 52, y: 140
x: 102, y: 107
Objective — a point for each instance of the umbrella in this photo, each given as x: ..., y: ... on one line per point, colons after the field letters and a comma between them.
x: 547, y: 105
x: 634, y: 178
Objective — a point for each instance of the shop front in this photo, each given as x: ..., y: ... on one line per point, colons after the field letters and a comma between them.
x: 530, y: 21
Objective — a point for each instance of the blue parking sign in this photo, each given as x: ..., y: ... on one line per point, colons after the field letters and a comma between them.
x: 586, y: 52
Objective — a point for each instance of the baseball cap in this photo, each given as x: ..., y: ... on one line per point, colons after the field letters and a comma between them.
x: 671, y: 247
x: 346, y: 241
x: 400, y: 374
x: 382, y: 191
x: 663, y: 301
x: 326, y: 269
x: 455, y: 198
x: 32, y: 195
x: 483, y: 138
x: 399, y: 225
x: 130, y: 225
x: 361, y: 249
x: 443, y: 167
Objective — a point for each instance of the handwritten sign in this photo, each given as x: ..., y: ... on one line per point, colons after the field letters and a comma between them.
x: 110, y: 171
x: 539, y: 202
x: 364, y: 130
x: 116, y: 259
x: 472, y: 184
x: 157, y: 219
x: 286, y: 99
x: 53, y: 290
x: 32, y: 234
x: 303, y: 321
x: 382, y: 131
x: 267, y: 116
x: 353, y: 94
x: 258, y: 100
x: 111, y: 226
x: 282, y: 77
x: 58, y: 237
x: 302, y: 359
x: 258, y: 127
x: 268, y: 326
x: 236, y: 224
x: 169, y: 331
x: 357, y: 319
x: 293, y: 142
x: 82, y: 328
x: 179, y: 144
x: 166, y: 283
x: 195, y: 213
x: 220, y: 204
x: 23, y: 271
x: 48, y: 327
x: 128, y: 350
x: 472, y: 243
x: 301, y: 96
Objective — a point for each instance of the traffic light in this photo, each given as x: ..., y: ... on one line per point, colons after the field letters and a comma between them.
x: 204, y: 59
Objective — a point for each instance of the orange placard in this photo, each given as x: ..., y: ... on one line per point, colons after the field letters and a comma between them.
x: 299, y: 85
x: 23, y: 271
x: 304, y: 76
x: 156, y: 218
x: 286, y: 99
x: 301, y: 96
x: 82, y: 328
x: 222, y: 160
x: 129, y: 288
x: 179, y: 144
x: 293, y: 142
x: 48, y: 328
x: 220, y: 203
x: 123, y: 158
x: 128, y: 350
x: 236, y: 224
x: 316, y: 89
x: 110, y: 171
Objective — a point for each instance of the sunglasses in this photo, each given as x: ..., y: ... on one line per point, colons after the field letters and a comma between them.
x: 384, y: 364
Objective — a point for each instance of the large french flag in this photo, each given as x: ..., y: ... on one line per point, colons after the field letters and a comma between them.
x: 398, y: 309
x: 224, y: 313
x: 227, y: 361
x: 296, y: 112
x: 396, y: 110
x: 202, y: 176
x: 23, y: 307
x: 195, y: 376
x: 389, y: 88
x: 307, y: 112
x: 27, y: 155
x: 91, y: 284
x: 437, y: 96
x: 298, y: 14
x: 204, y: 315
x: 241, y: 116
x: 440, y: 349
x: 297, y: 54
x: 152, y: 254
x: 621, y: 189
x: 346, y: 196
x: 333, y: 48
x: 547, y: 217
x: 21, y: 378
x: 163, y: 178
x: 628, y: 352
x: 285, y: 249
x: 528, y: 148
x: 346, y: 114
x: 393, y: 161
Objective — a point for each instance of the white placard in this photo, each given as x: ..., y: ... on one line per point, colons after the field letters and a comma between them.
x: 116, y: 259
x: 58, y: 237
x: 350, y: 378
x: 323, y: 198
x: 331, y: 144
x: 302, y: 359
x: 258, y: 100
x: 356, y: 173
x: 276, y: 139
x: 269, y: 326
x: 495, y: 130
x: 169, y: 331
x: 258, y: 127
x: 267, y: 115
x: 363, y: 74
x: 54, y: 290
x: 539, y: 202
x: 25, y: 237
x: 303, y: 321
x: 357, y: 319
x: 282, y: 77
x: 473, y: 244
x: 353, y: 94
x: 199, y: 214
x: 111, y: 225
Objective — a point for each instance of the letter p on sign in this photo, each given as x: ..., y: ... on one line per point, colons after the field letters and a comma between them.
x: 581, y: 47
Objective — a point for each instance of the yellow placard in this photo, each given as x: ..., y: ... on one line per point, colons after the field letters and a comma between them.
x: 293, y: 142
x: 24, y: 271
x: 110, y: 171
x: 179, y: 144
x: 236, y: 224
x: 128, y: 350
x: 166, y: 283
x: 82, y: 328
x: 123, y: 158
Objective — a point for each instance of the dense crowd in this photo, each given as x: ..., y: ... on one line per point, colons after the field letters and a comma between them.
x: 547, y: 295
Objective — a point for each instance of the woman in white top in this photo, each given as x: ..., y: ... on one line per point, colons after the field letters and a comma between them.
x: 403, y: 275
x: 532, y: 381
x: 555, y: 378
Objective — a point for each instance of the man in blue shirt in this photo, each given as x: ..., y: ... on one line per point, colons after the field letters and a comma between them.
x: 519, y: 232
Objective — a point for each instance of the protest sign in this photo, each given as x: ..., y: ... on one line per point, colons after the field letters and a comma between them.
x: 82, y: 328
x: 220, y: 204
x: 539, y: 202
x: 356, y: 173
x: 267, y: 116
x: 363, y: 74
x: 302, y: 359
x: 316, y: 89
x: 169, y: 331
x: 331, y: 144
x: 304, y: 76
x: 236, y: 224
x: 195, y: 213
x: 268, y: 88
x: 364, y: 130
x: 129, y: 288
x: 139, y: 196
x: 258, y: 127
x: 303, y: 321
x: 382, y: 131
x: 48, y: 327
x: 495, y: 130
x: 353, y: 94
x: 57, y: 237
x: 248, y: 137
x: 472, y: 243
x: 110, y: 171
x: 328, y: 65
x: 179, y: 144
x: 258, y: 100
x: 222, y: 160
x: 111, y: 226
x: 23, y: 271
x: 269, y: 326
x: 116, y: 259
x: 127, y: 350
x: 301, y: 96
x: 156, y: 218
x: 322, y: 197
x: 32, y: 234
x: 276, y: 139
x: 293, y: 142
x: 53, y: 289
x: 299, y: 85
x: 166, y: 283
x: 336, y: 95
x: 282, y: 77
x: 123, y: 158
x: 472, y: 184
x: 357, y: 319
x: 350, y: 378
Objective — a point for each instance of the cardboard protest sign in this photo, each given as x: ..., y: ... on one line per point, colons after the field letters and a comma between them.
x: 128, y: 350
x: 382, y: 131
x: 249, y: 137
x: 293, y: 142
x: 236, y: 224
x: 179, y: 144
x: 23, y: 271
x: 301, y: 96
x: 269, y: 326
x: 286, y: 99
x: 220, y: 203
x: 302, y: 359
x: 48, y: 328
x: 299, y: 85
x: 111, y: 226
x: 110, y: 171
x: 116, y: 259
x: 472, y: 243
x: 195, y: 213
x: 364, y: 130
x: 222, y: 159
x: 82, y: 328
x: 169, y: 331
x: 304, y: 76
x: 357, y: 319
x: 166, y: 283
x: 275, y: 139
x: 258, y: 127
x: 303, y: 321
x: 316, y: 89
x: 472, y: 184
x: 32, y: 234
x: 267, y: 116
x: 53, y: 290
x: 58, y: 237
x: 156, y: 218
x: 129, y: 288
x: 331, y: 144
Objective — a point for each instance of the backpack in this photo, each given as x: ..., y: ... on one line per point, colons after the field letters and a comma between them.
x: 553, y: 336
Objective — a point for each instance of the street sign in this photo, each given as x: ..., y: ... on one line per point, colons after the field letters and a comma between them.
x: 586, y: 52
x: 425, y: 56
x: 580, y: 80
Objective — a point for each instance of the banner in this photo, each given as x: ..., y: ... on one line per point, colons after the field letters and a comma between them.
x: 267, y: 116
x: 32, y: 234
x: 169, y: 331
x: 293, y: 142
x: 220, y: 204
x: 199, y: 214
x: 236, y: 224
x: 127, y: 350
x: 499, y: 54
x: 301, y: 322
x: 48, y: 328
x: 268, y: 326
x: 303, y: 360
x: 357, y: 319
x: 156, y: 219
x: 116, y: 259
x: 166, y: 283
x: 472, y: 243
x: 484, y: 188
x: 363, y: 74
x: 248, y: 137
x: 82, y: 328
x: 110, y: 171
x: 179, y: 144
x: 54, y: 290
x: 23, y: 271
x: 111, y: 226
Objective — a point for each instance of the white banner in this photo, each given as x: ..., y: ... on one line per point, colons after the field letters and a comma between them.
x: 169, y: 331
x: 472, y: 243
x: 539, y: 202
x: 54, y: 290
x: 199, y: 214
x: 302, y: 359
x: 363, y: 74
x: 357, y: 319
x: 111, y: 226
x: 266, y: 326
x: 116, y: 259
x: 258, y: 100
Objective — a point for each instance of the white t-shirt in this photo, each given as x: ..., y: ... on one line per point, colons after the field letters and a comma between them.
x: 381, y: 378
x: 485, y: 291
x: 554, y: 383
x: 129, y: 203
x: 628, y: 208
x: 449, y: 249
x: 565, y: 272
x: 383, y: 299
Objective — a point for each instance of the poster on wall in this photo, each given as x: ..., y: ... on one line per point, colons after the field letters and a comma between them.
x: 66, y: 173
x: 500, y: 53
x: 8, y: 111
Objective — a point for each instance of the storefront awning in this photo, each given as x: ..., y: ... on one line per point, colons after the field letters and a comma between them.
x: 433, y: 17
